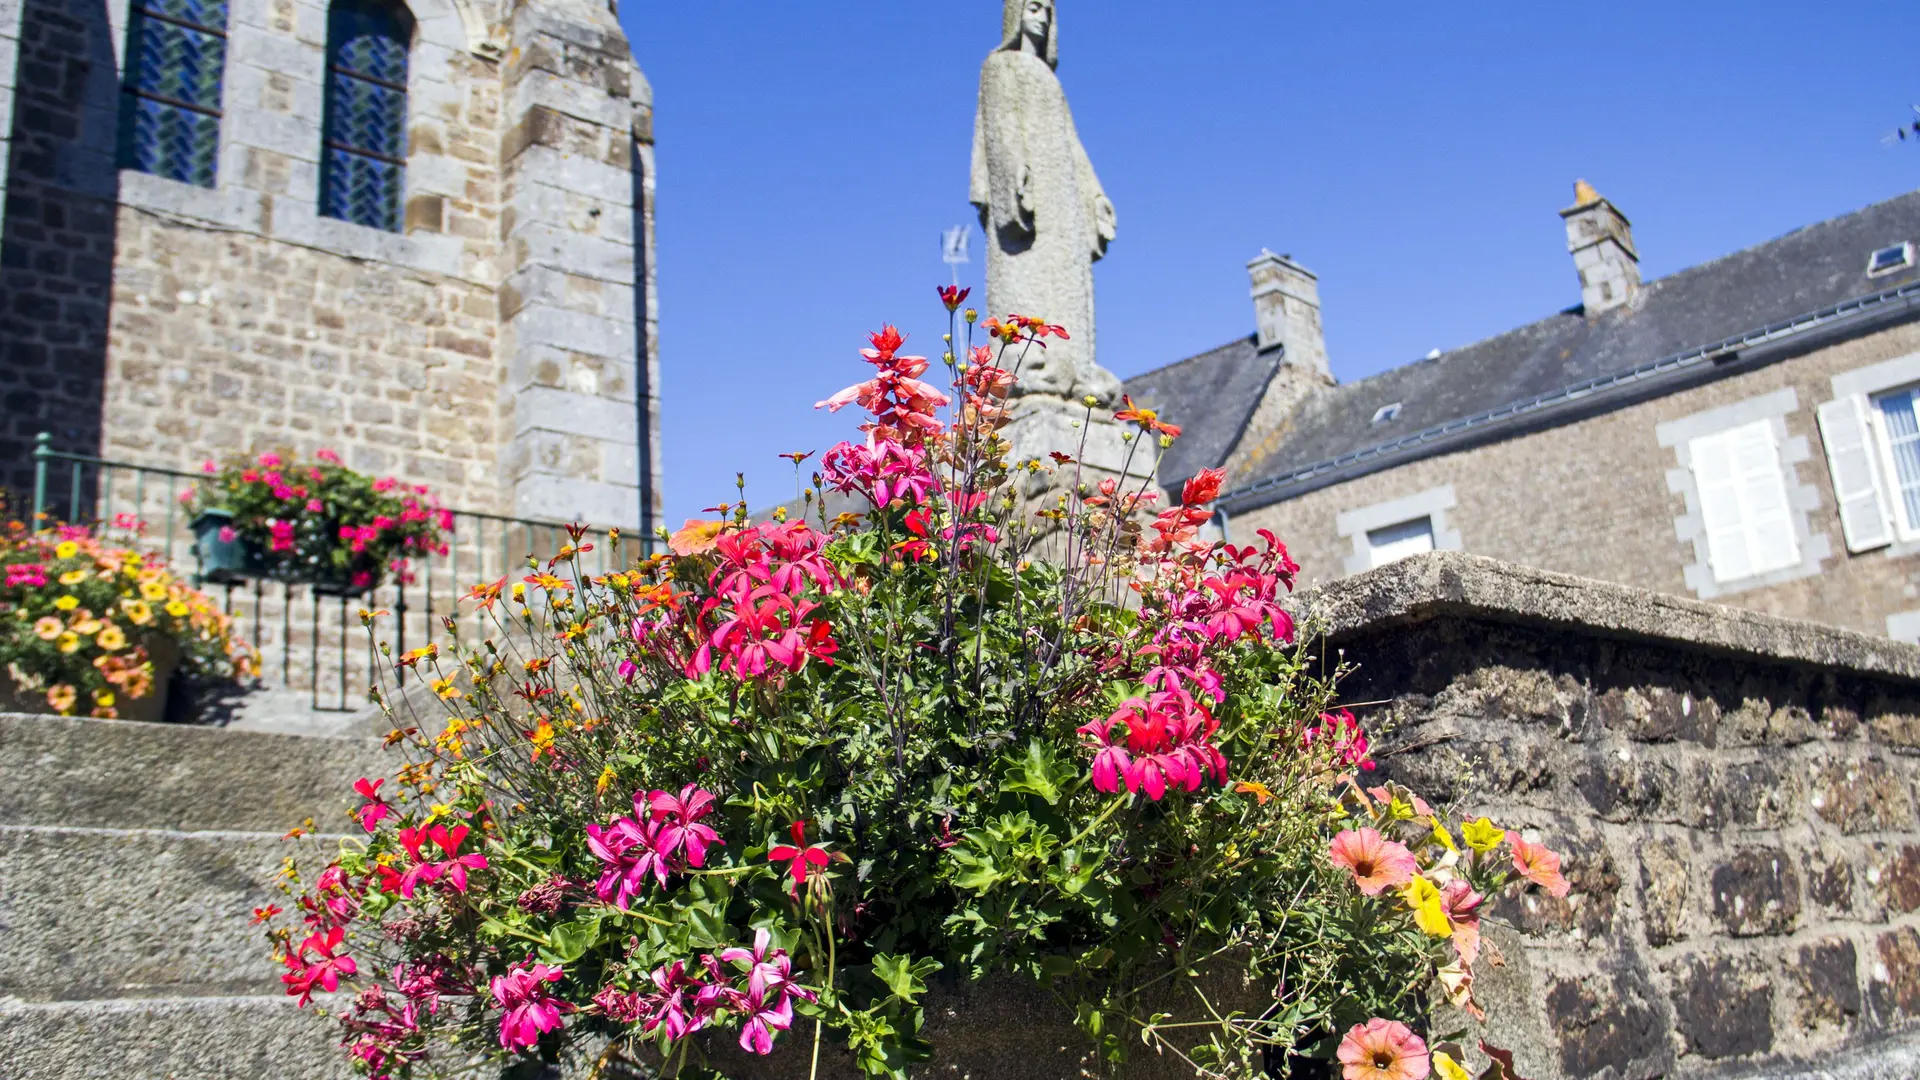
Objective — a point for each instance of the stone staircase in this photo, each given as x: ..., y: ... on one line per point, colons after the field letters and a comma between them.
x: 131, y: 856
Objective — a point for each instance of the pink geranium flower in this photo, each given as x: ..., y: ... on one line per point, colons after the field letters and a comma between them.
x: 679, y: 820
x: 375, y: 808
x: 1376, y: 863
x: 324, y: 969
x: 522, y: 992
x: 1383, y: 1050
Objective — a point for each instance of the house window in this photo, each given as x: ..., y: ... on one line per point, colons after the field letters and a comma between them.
x: 1900, y: 454
x: 363, y: 167
x: 1744, y: 511
x: 170, y: 100
x: 1889, y: 259
x: 1392, y: 543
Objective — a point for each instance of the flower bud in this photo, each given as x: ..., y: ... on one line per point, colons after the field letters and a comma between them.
x: 972, y: 315
x: 1089, y: 401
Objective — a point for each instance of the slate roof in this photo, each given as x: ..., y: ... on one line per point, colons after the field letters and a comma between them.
x: 1810, y: 270
x: 1212, y: 395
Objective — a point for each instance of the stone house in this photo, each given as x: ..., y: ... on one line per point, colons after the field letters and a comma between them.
x: 1742, y: 431
x: 418, y: 232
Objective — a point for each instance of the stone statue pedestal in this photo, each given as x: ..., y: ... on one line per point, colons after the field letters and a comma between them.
x: 1042, y: 424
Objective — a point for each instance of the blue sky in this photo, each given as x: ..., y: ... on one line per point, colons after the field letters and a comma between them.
x: 1412, y: 155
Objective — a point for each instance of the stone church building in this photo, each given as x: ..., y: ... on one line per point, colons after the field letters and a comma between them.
x: 418, y: 232
x: 1743, y: 431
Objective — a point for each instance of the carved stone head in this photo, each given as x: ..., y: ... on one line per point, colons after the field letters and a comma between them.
x: 1031, y: 26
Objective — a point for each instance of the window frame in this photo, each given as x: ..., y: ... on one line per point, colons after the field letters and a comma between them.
x: 1905, y: 248
x: 1904, y: 532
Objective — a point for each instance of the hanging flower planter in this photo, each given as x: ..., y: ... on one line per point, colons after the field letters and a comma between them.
x: 226, y: 556
x: 318, y: 523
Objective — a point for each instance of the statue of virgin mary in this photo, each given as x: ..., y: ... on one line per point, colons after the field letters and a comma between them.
x: 1046, y: 218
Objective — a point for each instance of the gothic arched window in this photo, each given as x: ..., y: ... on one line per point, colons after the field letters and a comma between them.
x: 364, y: 161
x: 170, y: 110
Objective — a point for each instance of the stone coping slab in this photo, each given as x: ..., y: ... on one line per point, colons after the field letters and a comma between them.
x: 1456, y: 585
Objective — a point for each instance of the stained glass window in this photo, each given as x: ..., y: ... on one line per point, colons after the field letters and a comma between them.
x: 363, y: 167
x: 170, y: 111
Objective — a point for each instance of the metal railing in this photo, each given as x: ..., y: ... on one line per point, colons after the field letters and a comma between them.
x: 308, y: 639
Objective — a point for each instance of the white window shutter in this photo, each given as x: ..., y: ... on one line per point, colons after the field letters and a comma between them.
x: 1856, y: 475
x: 1712, y: 464
x: 1763, y: 498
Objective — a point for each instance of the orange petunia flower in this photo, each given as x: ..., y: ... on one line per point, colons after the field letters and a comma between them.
x: 1537, y: 864
x: 1376, y: 863
x: 1383, y: 1050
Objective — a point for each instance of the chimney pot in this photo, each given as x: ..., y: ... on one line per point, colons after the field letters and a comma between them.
x: 1601, y: 241
x: 1286, y: 309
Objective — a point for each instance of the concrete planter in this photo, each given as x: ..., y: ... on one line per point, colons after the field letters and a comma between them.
x: 1004, y: 1029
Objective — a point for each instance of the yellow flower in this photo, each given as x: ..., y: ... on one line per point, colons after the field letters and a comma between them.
x: 153, y: 591
x: 439, y: 810
x: 111, y: 639
x: 1448, y: 1069
x: 1258, y: 790
x: 60, y: 698
x: 69, y: 642
x: 67, y: 550
x: 1482, y: 835
x: 48, y: 628
x: 542, y: 738
x: 176, y: 609
x: 446, y: 689
x: 1442, y: 837
x: 1428, y: 912
x: 73, y: 577
x: 103, y: 698
x: 86, y: 625
x: 67, y: 603
x: 606, y: 780
x: 138, y: 611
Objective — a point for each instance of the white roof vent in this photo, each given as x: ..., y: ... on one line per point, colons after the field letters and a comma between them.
x: 1889, y: 259
x: 1386, y: 413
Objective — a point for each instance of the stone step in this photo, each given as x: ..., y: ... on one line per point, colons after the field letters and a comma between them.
x: 196, y: 1038
x: 91, y: 913
x: 120, y: 774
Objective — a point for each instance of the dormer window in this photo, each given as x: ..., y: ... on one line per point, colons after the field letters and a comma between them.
x: 1889, y: 259
x: 1386, y: 413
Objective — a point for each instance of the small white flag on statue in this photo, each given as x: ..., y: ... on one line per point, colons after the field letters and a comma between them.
x: 953, y: 245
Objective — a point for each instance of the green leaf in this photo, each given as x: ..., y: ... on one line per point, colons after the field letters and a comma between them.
x: 1038, y: 773
x: 905, y: 976
x: 572, y: 940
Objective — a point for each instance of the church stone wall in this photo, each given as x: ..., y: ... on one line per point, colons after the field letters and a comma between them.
x: 1592, y: 498
x: 227, y: 343
x: 502, y: 347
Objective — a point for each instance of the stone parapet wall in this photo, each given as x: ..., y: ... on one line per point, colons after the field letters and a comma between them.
x: 1735, y: 796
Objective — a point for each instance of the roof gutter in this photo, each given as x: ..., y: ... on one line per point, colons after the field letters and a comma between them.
x: 1477, y: 427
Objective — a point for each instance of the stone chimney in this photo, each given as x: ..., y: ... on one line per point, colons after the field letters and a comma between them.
x: 1286, y: 310
x: 1601, y: 240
